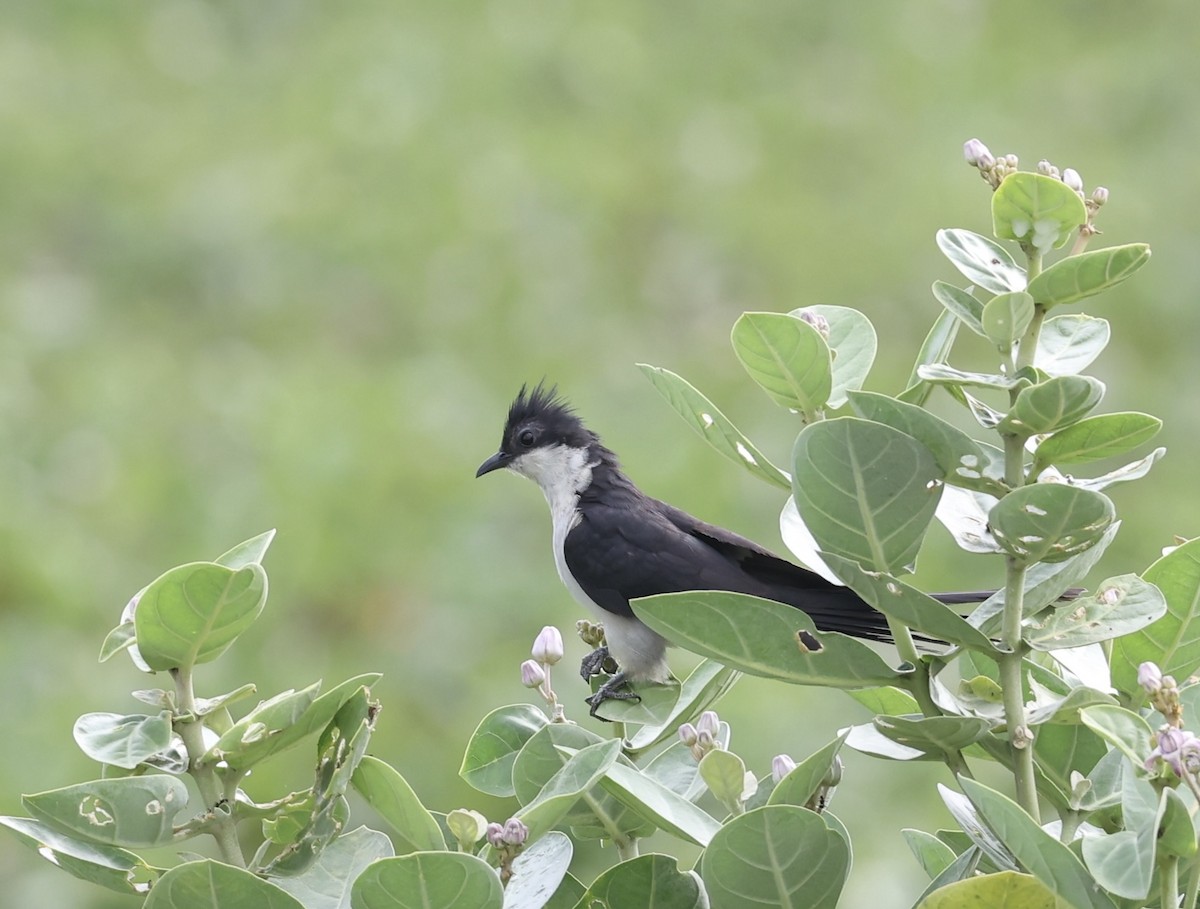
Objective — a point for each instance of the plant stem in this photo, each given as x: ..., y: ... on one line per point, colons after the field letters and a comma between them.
x: 627, y: 848
x: 1193, y: 886
x: 189, y: 727
x: 1070, y: 823
x: 1168, y: 876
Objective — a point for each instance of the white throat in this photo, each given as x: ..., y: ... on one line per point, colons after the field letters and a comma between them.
x: 561, y: 472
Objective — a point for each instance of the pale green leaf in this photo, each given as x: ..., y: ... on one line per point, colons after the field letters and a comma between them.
x: 1120, y: 606
x: 1074, y: 278
x: 428, y: 880
x: 493, y: 746
x: 212, y: 885
x: 1049, y: 522
x: 1036, y: 209
x: 394, y: 800
x: 787, y: 357
x: 981, y: 261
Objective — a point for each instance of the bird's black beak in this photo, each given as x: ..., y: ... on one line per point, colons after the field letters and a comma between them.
x: 495, y: 462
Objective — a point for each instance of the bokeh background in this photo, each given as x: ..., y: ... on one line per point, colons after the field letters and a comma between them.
x: 283, y: 264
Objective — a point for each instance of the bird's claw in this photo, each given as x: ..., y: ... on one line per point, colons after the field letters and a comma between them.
x: 615, y: 689
x: 596, y: 662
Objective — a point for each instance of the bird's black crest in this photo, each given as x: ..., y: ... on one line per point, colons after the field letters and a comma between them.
x: 544, y: 411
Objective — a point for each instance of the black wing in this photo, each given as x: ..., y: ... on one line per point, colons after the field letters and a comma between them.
x: 621, y: 553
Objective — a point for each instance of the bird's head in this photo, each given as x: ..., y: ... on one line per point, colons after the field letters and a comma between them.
x: 543, y: 440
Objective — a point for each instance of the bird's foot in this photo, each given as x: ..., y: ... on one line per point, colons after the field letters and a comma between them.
x: 615, y: 689
x: 596, y: 662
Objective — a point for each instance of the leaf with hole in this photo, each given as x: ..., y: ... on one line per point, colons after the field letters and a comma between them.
x: 1049, y: 522
x: 713, y: 426
x: 764, y: 638
x: 108, y: 866
x: 128, y: 811
x: 1120, y: 606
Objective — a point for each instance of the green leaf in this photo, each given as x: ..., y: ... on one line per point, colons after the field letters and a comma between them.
x: 544, y: 755
x: 250, y: 552
x: 538, y: 871
x: 659, y: 805
x: 1095, y: 438
x: 866, y: 491
x: 933, y: 735
x: 981, y: 261
x: 428, y: 880
x: 853, y: 343
x: 327, y: 883
x: 1038, y: 210
x: 192, y: 613
x: 648, y: 882
x: 763, y: 638
x: 108, y: 866
x: 1120, y: 606
x: 568, y: 894
x: 934, y: 855
x: 713, y: 426
x: 284, y: 721
x: 1121, y: 728
x: 1176, y: 834
x: 724, y: 773
x: 582, y: 771
x: 493, y: 746
x: 123, y: 741
x: 934, y: 349
x: 655, y: 702
x: 964, y: 811
x: 1006, y: 318
x: 1123, y: 862
x: 941, y: 374
x: 779, y: 856
x: 1132, y: 471
x: 130, y: 811
x: 1039, y: 853
x: 787, y: 357
x: 390, y: 795
x: 910, y: 606
x: 707, y: 683
x: 885, y: 700
x: 1045, y: 582
x: 867, y: 739
x: 961, y: 304
x: 1074, y: 278
x: 1173, y: 642
x: 1068, y: 344
x: 1052, y: 404
x: 123, y: 636
x: 1001, y: 890
x: 803, y: 780
x: 955, y: 452
x: 1049, y: 522
x: 212, y: 885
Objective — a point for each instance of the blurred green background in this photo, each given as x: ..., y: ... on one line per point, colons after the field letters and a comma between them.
x: 283, y: 264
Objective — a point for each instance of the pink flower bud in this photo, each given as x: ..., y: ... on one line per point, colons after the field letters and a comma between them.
x: 531, y: 674
x: 1099, y: 195
x: 977, y: 154
x: 1071, y: 178
x: 1150, y: 677
x: 515, y: 833
x: 687, y: 734
x: 495, y: 834
x: 709, y: 722
x: 548, y: 646
x: 781, y: 766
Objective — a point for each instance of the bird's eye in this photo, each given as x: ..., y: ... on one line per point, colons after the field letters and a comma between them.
x: 526, y: 437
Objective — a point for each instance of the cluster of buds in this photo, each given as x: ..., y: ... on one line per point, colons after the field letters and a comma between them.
x: 535, y: 673
x: 991, y: 168
x: 508, y: 839
x: 1163, y: 691
x: 817, y: 321
x: 701, y: 738
x: 1177, y: 749
x: 591, y: 633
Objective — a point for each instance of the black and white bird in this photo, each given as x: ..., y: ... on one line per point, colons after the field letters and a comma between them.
x: 613, y: 543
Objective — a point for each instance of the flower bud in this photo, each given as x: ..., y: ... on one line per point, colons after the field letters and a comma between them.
x: 1071, y: 178
x: 687, y: 734
x: 515, y: 833
x: 548, y: 646
x: 532, y: 675
x: 709, y: 722
x: 1012, y: 162
x: 1099, y: 196
x: 1045, y: 168
x: 1150, y: 677
x: 817, y: 321
x: 781, y: 766
x: 705, y: 742
x: 977, y: 154
x: 495, y: 834
x: 591, y: 633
